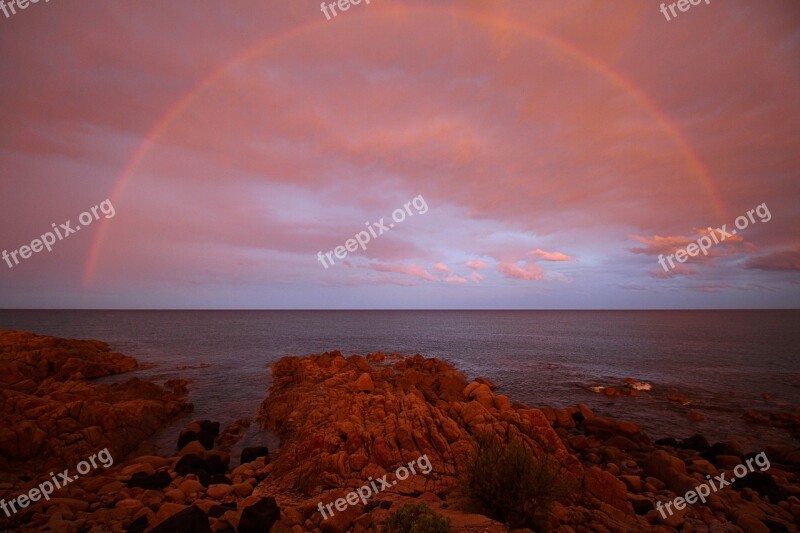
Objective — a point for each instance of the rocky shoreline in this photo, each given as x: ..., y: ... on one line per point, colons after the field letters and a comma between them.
x: 346, y: 421
x: 52, y: 415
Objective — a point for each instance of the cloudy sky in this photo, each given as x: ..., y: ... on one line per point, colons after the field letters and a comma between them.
x: 557, y: 148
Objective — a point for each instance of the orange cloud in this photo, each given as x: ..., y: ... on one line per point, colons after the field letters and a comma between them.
x: 657, y: 244
x: 476, y: 264
x: 551, y: 256
x: 530, y: 272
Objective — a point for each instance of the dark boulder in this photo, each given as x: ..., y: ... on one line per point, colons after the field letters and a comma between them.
x: 763, y: 484
x: 215, y: 465
x: 209, y: 427
x: 696, y: 442
x: 220, y: 479
x: 187, y: 436
x: 218, y: 510
x: 158, y: 480
x: 668, y: 441
x: 260, y: 516
x: 721, y: 448
x: 139, y: 525
x: 203, y: 431
x: 188, y: 464
x: 252, y: 453
x: 190, y: 520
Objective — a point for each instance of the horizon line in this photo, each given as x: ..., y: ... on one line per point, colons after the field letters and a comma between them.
x: 401, y: 310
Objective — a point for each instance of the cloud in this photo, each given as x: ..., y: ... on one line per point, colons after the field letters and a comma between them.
x: 680, y: 269
x: 455, y: 279
x: 711, y: 286
x: 411, y: 270
x: 476, y: 277
x: 551, y: 256
x: 476, y: 264
x: 787, y: 261
x: 246, y: 179
x: 658, y: 245
x: 531, y: 271
x: 441, y: 267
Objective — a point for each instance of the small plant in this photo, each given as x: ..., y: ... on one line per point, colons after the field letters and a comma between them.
x: 508, y: 482
x: 417, y: 519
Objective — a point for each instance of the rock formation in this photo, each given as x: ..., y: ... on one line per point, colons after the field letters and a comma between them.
x: 52, y: 416
x: 346, y: 421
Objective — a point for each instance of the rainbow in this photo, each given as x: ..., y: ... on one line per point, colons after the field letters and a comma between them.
x: 695, y: 166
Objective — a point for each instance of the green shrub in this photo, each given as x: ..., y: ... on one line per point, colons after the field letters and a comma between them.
x: 417, y: 519
x: 508, y: 482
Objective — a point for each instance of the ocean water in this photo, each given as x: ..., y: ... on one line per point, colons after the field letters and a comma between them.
x: 723, y: 361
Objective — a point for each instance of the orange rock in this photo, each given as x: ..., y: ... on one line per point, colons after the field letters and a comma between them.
x: 679, y: 398
x: 585, y: 411
x: 483, y: 395
x: 467, y: 392
x: 190, y: 487
x: 53, y: 417
x: 607, y: 489
x: 364, y: 383
x: 610, y: 427
x: 341, y: 521
x: 218, y: 492
x: 563, y: 419
x: 333, y: 438
x: 502, y: 402
x: 166, y: 510
x: 696, y: 416
x: 664, y: 466
x: 486, y: 381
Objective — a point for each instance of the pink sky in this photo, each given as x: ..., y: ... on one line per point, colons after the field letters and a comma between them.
x: 560, y: 148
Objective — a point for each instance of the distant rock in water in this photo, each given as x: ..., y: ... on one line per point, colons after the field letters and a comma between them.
x: 629, y: 387
x: 638, y: 385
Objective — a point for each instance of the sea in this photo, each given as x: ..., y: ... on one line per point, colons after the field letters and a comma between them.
x: 723, y: 362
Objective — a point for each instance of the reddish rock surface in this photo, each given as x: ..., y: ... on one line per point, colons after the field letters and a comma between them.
x: 343, y: 420
x: 652, y: 473
x: 369, y: 418
x: 52, y: 416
